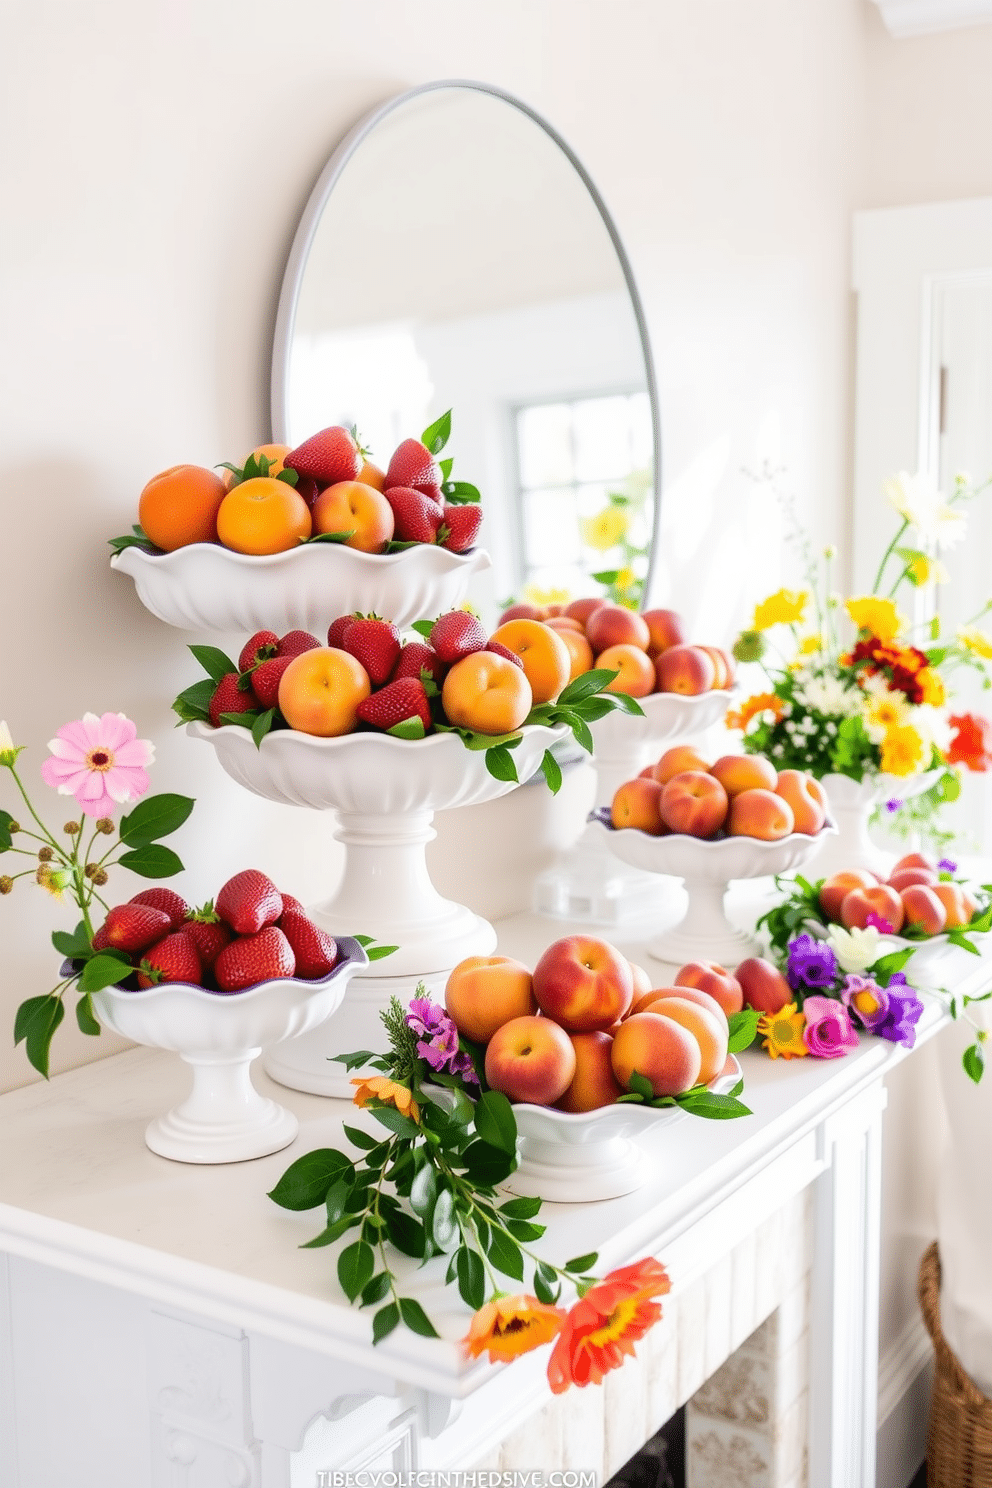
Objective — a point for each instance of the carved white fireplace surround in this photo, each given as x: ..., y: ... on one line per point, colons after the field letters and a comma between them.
x: 159, y: 1326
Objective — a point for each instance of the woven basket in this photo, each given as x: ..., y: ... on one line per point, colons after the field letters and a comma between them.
x: 959, y: 1435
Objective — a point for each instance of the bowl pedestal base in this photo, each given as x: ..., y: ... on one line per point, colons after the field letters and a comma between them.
x: 223, y: 1119
x: 705, y: 933
x: 590, y: 885
x: 578, y: 1174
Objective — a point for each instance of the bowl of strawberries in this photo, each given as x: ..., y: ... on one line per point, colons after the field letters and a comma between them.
x: 217, y: 986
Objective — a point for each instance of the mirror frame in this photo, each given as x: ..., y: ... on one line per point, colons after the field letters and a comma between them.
x: 310, y: 220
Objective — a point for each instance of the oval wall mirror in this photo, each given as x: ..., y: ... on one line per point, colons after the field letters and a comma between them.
x: 454, y: 253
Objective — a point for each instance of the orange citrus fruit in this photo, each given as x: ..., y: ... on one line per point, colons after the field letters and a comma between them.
x: 263, y: 516
x: 180, y: 505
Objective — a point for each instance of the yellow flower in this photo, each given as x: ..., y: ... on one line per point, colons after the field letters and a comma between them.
x: 782, y: 1032
x: 605, y: 529
x: 784, y: 607
x: 880, y: 616
x: 380, y: 1088
x: 810, y: 644
x: 924, y: 570
x: 55, y: 880
x: 975, y: 641
x: 538, y: 596
x: 625, y: 579
x: 903, y: 751
x: 933, y: 688
x: 887, y: 711
x: 507, y: 1327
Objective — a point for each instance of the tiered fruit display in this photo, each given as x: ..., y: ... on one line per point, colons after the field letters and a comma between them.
x: 917, y: 899
x: 586, y: 1028
x: 325, y: 490
x: 738, y: 795
x: 649, y: 651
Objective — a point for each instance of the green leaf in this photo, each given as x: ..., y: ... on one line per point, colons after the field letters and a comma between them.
x: 291, y: 477
x: 973, y: 1060
x: 406, y: 1233
x: 6, y: 840
x: 444, y: 1226
x: 306, y: 1182
x: 495, y: 1122
x: 262, y: 725
x: 356, y: 1059
x: 547, y: 1291
x: 423, y: 1192
x: 193, y: 703
x: 585, y: 685
x: 153, y: 861
x: 487, y: 1165
x: 373, y: 1291
x: 416, y: 1318
x: 329, y: 537
x: 583, y: 1262
x: 156, y: 817
x: 358, y: 1138
x: 408, y: 728
x: 356, y: 1263
x: 522, y: 1229
x: 445, y: 466
x: 136, y: 539
x: 713, y: 1107
x: 104, y: 970
x: 86, y: 1018
x: 376, y: 953
x: 461, y: 493
x: 213, y: 661
x: 423, y: 627
x: 385, y: 1320
x: 524, y: 1208
x: 333, y: 1232
x: 551, y: 770
x: 73, y: 946
x: 606, y: 576
x: 471, y: 1275
x: 338, y: 1195
x: 394, y: 1120
x: 743, y: 1030
x: 505, y: 1255
x: 639, y: 1085
x: 581, y: 734
x: 437, y: 434
x: 499, y: 763
x: 36, y: 1021
x: 885, y: 968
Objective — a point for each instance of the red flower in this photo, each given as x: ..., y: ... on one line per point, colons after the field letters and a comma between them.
x: 971, y: 744
x: 603, y: 1326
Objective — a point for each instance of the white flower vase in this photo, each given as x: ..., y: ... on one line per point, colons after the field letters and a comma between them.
x: 851, y: 803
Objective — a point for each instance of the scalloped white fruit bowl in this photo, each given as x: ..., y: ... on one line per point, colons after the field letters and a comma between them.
x: 707, y: 868
x: 209, y: 587
x: 625, y: 744
x: 573, y: 1159
x: 851, y: 804
x: 219, y: 1035
x: 385, y: 791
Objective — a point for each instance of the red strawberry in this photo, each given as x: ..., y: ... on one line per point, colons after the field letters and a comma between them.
x: 249, y: 901
x: 337, y: 628
x: 172, y: 959
x: 308, y: 489
x: 131, y: 927
x: 376, y: 644
x: 417, y: 657
x: 208, y: 933
x: 315, y: 950
x: 265, y: 679
x: 228, y: 698
x: 417, y: 517
x: 498, y: 649
x: 254, y: 958
x: 457, y: 634
x: 264, y: 643
x: 413, y: 465
x: 295, y: 642
x: 288, y: 902
x: 395, y: 703
x: 462, y: 524
x: 167, y: 900
x: 328, y: 457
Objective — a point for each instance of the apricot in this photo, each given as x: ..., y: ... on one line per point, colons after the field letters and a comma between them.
x: 635, y: 673
x: 546, y: 658
x: 835, y: 889
x: 484, y: 992
x: 661, y: 1050
x: 880, y: 900
x: 371, y: 475
x: 686, y: 670
x: 958, y: 906
x: 711, y: 977
x: 579, y: 652
x: 694, y: 803
x: 805, y: 796
x: 263, y: 516
x: 179, y: 506
x: 637, y: 803
x: 761, y: 814
x: 677, y: 759
x: 665, y: 629
x: 708, y: 1029
x: 594, y: 1084
x: 350, y: 506
x: 613, y: 625
x: 689, y: 994
x: 924, y: 908
x: 320, y: 690
x: 487, y: 693
x: 741, y: 772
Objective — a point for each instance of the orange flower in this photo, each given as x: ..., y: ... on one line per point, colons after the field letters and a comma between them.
x: 762, y: 702
x: 509, y: 1326
x: 603, y: 1326
x: 971, y: 744
x: 379, y: 1088
x: 932, y: 687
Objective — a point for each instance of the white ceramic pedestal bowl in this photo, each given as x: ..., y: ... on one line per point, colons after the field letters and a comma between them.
x: 707, y: 868
x: 576, y: 1159
x: 385, y: 792
x: 224, y: 1119
x: 588, y: 883
x: 851, y: 806
x: 208, y: 587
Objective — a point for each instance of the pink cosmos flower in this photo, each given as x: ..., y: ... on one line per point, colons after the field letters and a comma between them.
x: 99, y: 761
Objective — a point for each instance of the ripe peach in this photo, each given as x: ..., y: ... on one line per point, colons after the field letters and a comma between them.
x: 484, y: 992
x: 635, y: 673
x: 487, y: 693
x: 565, y: 622
x: 880, y: 900
x: 805, y: 796
x: 319, y: 692
x: 581, y: 609
x: 905, y: 878
x: 530, y: 1059
x: 594, y: 1084
x: 708, y: 1029
x: 958, y: 906
x: 914, y: 860
x: 724, y: 664
x: 523, y: 612
x: 690, y: 994
x: 836, y: 889
x: 263, y: 516
x: 711, y: 977
x: 665, y: 629
x: 694, y: 804
x: 761, y: 814
x: 350, y: 506
x: 642, y: 982
x: 637, y: 803
x: 763, y: 985
x: 546, y: 658
x: 924, y: 908
x: 583, y: 983
x: 613, y: 625
x: 579, y: 652
x: 741, y: 772
x: 685, y: 669
x: 371, y: 475
x: 180, y: 505
x: 674, y: 761
x: 661, y: 1050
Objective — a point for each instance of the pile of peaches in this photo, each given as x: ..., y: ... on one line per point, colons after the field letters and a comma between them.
x: 914, y: 897
x: 740, y: 795
x: 572, y: 1033
x: 649, y: 652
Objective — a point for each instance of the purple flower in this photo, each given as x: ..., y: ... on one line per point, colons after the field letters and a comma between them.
x: 828, y: 1033
x: 893, y: 805
x: 869, y: 1002
x: 947, y: 865
x: 437, y: 1038
x: 878, y: 923
x: 904, y: 1012
x: 811, y: 963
